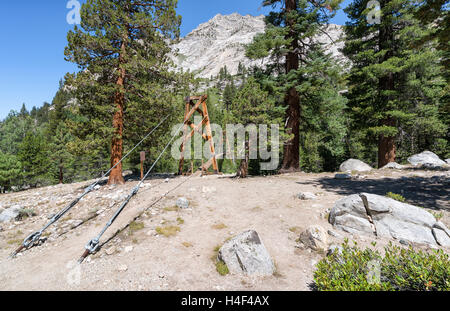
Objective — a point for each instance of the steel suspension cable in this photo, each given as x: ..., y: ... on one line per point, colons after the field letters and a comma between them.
x: 34, y: 238
x: 94, y: 244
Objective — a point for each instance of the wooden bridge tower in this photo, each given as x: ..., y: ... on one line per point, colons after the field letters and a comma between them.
x: 198, y: 104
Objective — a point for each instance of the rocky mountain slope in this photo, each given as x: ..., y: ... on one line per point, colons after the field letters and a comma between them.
x: 221, y: 42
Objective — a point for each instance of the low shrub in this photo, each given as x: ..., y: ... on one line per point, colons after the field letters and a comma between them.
x: 395, y: 196
x: 400, y: 269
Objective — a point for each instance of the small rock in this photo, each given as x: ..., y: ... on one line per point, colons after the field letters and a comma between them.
x: 97, y: 187
x: 315, y: 238
x: 306, y: 196
x: 123, y: 268
x: 110, y: 251
x: 76, y: 223
x: 128, y: 249
x: 334, y: 249
x: 334, y: 234
x: 182, y: 203
x: 208, y: 189
x: 403, y: 242
x: 166, y: 180
x: 343, y: 176
x: 393, y: 166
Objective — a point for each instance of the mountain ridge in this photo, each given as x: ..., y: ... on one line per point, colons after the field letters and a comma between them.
x: 221, y: 42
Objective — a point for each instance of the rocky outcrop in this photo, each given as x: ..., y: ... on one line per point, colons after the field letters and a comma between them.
x: 246, y: 254
x: 426, y: 158
x: 373, y: 214
x: 221, y: 42
x: 354, y: 165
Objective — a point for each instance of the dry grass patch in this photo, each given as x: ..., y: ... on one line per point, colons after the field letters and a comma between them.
x: 257, y: 209
x: 168, y: 231
x: 295, y: 230
x: 221, y: 267
x: 172, y: 209
x: 15, y: 242
x: 135, y: 227
x: 187, y: 244
x: 220, y: 226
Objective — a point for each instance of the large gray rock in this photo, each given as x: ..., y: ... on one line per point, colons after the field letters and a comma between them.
x: 427, y: 158
x: 10, y: 214
x: 385, y: 217
x: 315, y: 238
x: 349, y: 215
x: 354, y: 165
x: 246, y: 254
x: 393, y: 166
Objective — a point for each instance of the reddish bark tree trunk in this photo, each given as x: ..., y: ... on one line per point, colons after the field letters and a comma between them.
x: 242, y: 171
x: 61, y: 175
x: 386, y: 145
x: 291, y: 158
x: 386, y: 151
x: 117, y: 141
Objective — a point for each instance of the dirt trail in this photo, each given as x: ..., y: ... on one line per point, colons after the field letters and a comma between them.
x: 141, y: 259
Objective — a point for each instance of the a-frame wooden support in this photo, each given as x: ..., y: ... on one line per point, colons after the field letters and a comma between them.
x: 198, y: 104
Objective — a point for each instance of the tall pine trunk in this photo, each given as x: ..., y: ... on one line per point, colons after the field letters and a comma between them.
x: 386, y: 145
x: 117, y: 141
x: 61, y: 173
x: 242, y: 171
x: 291, y: 158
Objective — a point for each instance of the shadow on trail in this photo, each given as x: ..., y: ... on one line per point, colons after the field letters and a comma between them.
x: 432, y: 192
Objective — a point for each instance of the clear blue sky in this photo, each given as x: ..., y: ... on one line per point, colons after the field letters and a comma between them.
x: 34, y: 36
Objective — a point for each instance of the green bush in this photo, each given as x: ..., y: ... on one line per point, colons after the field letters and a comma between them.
x: 400, y: 269
x: 396, y: 196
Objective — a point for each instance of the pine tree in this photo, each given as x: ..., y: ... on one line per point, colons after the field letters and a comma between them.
x: 10, y: 171
x: 287, y: 41
x: 253, y: 105
x: 13, y: 130
x: 395, y: 84
x: 228, y: 94
x: 62, y: 160
x: 33, y: 157
x: 123, y: 54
